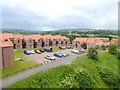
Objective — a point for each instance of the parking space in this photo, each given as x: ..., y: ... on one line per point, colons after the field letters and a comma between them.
x: 40, y: 58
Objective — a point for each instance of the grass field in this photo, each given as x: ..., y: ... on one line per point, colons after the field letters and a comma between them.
x: 19, y: 65
x: 81, y: 73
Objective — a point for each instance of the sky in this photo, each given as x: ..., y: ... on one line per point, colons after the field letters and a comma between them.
x: 47, y: 15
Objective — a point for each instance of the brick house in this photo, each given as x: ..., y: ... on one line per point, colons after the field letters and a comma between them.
x: 7, y: 53
x: 86, y: 43
x: 36, y: 41
x: 18, y: 41
x: 29, y: 41
x: 114, y: 41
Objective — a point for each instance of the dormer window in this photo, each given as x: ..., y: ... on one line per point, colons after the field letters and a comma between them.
x: 6, y: 39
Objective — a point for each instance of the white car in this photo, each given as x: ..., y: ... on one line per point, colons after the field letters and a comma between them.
x: 32, y: 51
x: 49, y: 57
x: 64, y: 54
x: 75, y: 51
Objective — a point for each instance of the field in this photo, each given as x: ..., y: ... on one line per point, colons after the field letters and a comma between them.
x: 81, y: 73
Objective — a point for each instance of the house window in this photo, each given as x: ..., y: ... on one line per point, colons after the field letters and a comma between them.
x: 6, y: 39
x: 39, y: 40
x: 30, y: 41
x: 18, y: 41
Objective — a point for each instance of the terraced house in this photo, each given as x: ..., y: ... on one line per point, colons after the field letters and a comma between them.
x: 36, y: 41
x: 86, y: 43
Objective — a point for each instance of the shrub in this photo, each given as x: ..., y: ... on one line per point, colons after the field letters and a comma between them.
x: 118, y: 55
x: 84, y: 79
x: 109, y: 76
x: 112, y: 49
x: 93, y: 53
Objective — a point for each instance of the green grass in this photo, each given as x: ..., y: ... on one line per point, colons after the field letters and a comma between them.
x: 18, y: 67
x: 18, y: 53
x: 55, y: 48
x: 81, y: 73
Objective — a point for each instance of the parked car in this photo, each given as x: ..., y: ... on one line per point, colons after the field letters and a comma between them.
x: 48, y: 49
x: 49, y: 57
x: 69, y: 47
x: 75, y: 51
x: 82, y: 50
x: 27, y: 52
x: 42, y: 50
x: 63, y: 48
x: 64, y: 54
x: 37, y: 51
x: 32, y: 51
x: 57, y: 54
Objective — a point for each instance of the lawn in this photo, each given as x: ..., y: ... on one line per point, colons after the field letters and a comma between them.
x: 81, y: 73
x: 55, y: 48
x: 19, y: 65
x: 18, y: 53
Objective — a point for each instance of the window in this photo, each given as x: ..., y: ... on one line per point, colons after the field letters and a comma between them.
x: 18, y: 41
x: 39, y: 40
x: 30, y: 41
x: 6, y: 39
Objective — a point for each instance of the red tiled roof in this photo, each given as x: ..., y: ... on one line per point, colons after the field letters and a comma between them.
x: 6, y: 44
x: 80, y: 40
x: 16, y: 36
x: 27, y: 37
x: 91, y: 40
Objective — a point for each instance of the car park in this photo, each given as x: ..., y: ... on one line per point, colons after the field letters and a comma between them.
x: 57, y: 54
x: 64, y: 54
x: 37, y: 51
x: 75, y: 51
x: 49, y: 57
x: 27, y: 52
x: 48, y: 49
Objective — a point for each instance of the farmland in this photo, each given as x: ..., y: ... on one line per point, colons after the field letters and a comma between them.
x: 81, y: 73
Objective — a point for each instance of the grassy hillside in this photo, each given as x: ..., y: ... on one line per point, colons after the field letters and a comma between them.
x: 82, y: 73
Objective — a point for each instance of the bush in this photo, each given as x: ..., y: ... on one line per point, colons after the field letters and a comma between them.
x: 93, y: 53
x: 118, y: 55
x: 112, y: 49
x: 84, y: 79
x: 109, y: 76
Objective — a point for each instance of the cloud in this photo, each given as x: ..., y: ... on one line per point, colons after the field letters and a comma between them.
x: 57, y: 14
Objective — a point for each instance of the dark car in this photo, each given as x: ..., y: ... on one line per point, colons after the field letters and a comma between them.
x: 69, y: 47
x: 58, y: 54
x: 63, y: 48
x: 37, y: 51
x: 42, y: 51
x: 27, y: 52
x: 48, y: 49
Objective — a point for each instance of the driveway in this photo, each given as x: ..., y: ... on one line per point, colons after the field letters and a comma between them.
x: 27, y: 73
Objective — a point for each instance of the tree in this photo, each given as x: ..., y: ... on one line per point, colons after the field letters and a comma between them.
x: 112, y: 49
x: 118, y: 55
x: 93, y: 53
